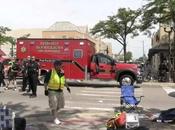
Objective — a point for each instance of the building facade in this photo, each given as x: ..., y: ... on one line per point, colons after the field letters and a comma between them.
x: 60, y: 30
x: 162, y: 50
x: 68, y: 30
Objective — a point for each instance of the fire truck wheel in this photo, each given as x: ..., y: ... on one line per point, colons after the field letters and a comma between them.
x: 126, y: 80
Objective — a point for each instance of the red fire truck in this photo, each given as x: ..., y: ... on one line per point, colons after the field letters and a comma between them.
x: 79, y: 59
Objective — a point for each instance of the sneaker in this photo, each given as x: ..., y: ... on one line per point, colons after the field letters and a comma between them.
x: 33, y: 96
x: 57, y: 122
x: 6, y: 88
x: 14, y: 89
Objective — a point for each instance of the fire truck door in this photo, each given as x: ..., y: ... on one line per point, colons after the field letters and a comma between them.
x: 103, y: 68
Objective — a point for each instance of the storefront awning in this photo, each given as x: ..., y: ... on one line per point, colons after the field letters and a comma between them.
x: 158, y: 49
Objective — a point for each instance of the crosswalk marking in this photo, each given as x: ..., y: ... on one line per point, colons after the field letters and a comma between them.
x: 92, y: 103
x: 168, y: 90
x: 107, y: 92
x: 90, y: 108
x: 99, y: 92
x: 101, y: 99
x: 98, y: 95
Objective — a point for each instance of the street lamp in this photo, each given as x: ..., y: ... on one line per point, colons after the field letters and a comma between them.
x: 169, y: 30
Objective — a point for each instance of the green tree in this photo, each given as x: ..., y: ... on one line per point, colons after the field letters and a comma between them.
x: 129, y: 56
x: 119, y: 26
x: 12, y: 41
x: 157, y: 11
x: 3, y: 37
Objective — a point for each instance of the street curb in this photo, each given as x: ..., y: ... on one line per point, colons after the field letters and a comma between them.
x: 113, y: 83
x: 92, y: 83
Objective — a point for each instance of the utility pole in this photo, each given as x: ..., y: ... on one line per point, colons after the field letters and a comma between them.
x: 143, y: 52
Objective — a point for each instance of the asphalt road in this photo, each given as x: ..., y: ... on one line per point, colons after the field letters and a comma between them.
x: 89, y: 108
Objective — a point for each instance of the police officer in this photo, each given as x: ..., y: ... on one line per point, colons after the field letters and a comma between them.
x: 54, y: 84
x: 32, y: 73
x: 1, y: 73
x: 25, y: 64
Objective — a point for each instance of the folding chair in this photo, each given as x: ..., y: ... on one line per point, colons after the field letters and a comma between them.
x: 127, y: 100
x: 7, y: 119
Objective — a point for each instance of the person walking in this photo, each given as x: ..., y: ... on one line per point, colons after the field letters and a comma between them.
x: 32, y: 73
x: 54, y: 84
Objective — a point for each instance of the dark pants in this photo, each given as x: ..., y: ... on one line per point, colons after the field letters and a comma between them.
x: 33, y: 81
x: 1, y: 78
x: 24, y: 82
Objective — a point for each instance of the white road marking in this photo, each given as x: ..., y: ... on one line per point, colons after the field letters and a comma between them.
x: 92, y: 103
x: 99, y: 95
x: 107, y: 92
x: 90, y: 108
x: 110, y: 89
x: 168, y: 90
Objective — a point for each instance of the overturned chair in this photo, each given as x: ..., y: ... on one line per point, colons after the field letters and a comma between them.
x: 128, y: 100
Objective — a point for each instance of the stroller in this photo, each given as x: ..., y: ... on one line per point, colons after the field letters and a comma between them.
x: 127, y: 100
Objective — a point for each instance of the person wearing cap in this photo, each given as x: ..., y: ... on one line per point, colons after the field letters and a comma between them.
x: 54, y: 84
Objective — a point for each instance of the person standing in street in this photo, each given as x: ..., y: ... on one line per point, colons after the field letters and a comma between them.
x: 1, y: 73
x: 13, y: 73
x: 54, y: 84
x: 32, y: 72
x: 24, y: 74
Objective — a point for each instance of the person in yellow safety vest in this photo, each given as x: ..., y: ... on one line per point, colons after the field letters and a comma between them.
x: 54, y: 84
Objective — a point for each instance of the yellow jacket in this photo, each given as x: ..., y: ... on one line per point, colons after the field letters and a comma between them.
x: 55, y: 81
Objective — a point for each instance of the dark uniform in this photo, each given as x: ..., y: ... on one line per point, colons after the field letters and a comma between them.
x: 1, y: 73
x: 32, y: 72
x: 25, y: 75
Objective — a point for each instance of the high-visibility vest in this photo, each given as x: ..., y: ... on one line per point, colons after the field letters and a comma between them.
x: 55, y: 81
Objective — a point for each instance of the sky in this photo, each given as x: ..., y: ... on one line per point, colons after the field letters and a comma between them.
x: 17, y: 14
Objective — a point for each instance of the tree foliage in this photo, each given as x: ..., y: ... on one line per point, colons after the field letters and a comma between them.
x: 3, y: 37
x: 119, y: 26
x: 158, y: 11
x: 129, y: 56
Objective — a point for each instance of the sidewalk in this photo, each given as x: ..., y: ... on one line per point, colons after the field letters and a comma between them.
x: 86, y: 120
x: 72, y: 119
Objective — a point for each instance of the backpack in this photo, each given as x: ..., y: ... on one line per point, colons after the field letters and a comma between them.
x: 116, y: 122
